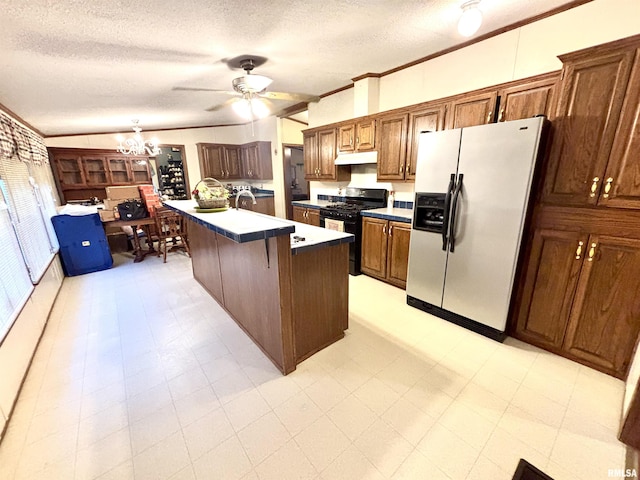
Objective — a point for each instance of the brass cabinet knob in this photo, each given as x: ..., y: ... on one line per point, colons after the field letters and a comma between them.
x: 390, y: 229
x: 607, y: 187
x: 489, y: 117
x: 594, y: 187
x: 579, y: 250
x: 592, y: 252
x: 500, y: 114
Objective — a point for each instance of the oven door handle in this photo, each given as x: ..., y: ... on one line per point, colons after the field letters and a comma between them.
x: 447, y: 206
x: 454, y: 212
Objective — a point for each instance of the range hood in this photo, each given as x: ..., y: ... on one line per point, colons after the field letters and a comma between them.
x: 358, y: 158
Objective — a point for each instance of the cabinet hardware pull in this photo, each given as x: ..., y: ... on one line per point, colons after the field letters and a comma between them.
x: 501, y: 114
x: 401, y: 168
x: 351, y: 141
x: 594, y: 186
x: 357, y: 140
x: 489, y: 117
x: 384, y: 229
x: 607, y: 187
x: 592, y: 252
x: 579, y: 250
x: 390, y: 229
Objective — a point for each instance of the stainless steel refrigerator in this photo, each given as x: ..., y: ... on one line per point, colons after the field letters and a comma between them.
x: 472, y: 192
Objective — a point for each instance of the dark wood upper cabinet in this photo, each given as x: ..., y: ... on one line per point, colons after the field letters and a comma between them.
x: 256, y: 160
x: 95, y: 169
x: 528, y: 100
x: 392, y: 146
x: 429, y: 119
x: 212, y: 160
x: 310, y: 152
x: 605, y: 317
x: 471, y: 110
x: 591, y: 97
x: 357, y: 136
x: 69, y: 170
x: 326, y: 154
x: 621, y: 187
x: 232, y: 162
x: 320, y: 147
x: 139, y: 169
x: 119, y: 170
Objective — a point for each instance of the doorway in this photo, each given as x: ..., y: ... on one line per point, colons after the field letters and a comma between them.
x: 295, y: 186
x: 169, y: 173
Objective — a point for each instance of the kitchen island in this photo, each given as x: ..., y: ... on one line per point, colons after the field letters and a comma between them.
x: 286, y: 284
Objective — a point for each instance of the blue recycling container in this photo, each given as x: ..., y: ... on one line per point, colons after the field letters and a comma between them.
x: 83, y: 244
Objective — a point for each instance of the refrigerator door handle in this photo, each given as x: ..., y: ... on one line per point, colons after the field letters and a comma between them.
x: 454, y: 211
x: 447, y: 207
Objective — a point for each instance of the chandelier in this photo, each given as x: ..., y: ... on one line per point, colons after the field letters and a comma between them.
x: 136, y: 145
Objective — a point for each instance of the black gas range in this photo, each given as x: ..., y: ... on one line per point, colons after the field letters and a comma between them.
x: 345, y: 215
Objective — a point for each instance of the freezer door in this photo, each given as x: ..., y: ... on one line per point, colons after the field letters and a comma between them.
x: 497, y: 161
x: 437, y: 160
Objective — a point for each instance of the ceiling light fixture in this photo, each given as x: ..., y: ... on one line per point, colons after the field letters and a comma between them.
x: 250, y: 107
x: 137, y: 145
x: 471, y: 18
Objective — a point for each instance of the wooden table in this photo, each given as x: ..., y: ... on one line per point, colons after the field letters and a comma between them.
x: 135, y: 224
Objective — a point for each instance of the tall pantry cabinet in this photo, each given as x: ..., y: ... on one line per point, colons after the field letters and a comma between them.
x: 580, y: 294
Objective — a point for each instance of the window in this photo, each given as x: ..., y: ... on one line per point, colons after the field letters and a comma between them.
x: 15, y: 284
x: 26, y: 216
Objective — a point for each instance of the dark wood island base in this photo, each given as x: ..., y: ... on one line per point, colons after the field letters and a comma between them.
x: 291, y: 303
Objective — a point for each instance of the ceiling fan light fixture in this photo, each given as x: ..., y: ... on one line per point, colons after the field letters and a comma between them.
x: 251, y: 83
x: 471, y: 18
x: 250, y: 107
x: 259, y: 108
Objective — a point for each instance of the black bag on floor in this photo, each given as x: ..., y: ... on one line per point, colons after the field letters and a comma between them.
x: 132, y: 210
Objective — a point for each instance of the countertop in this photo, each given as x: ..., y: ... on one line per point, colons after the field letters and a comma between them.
x: 395, y: 214
x: 245, y: 226
x: 311, y: 203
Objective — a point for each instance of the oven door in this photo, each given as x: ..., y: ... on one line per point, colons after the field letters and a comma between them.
x: 349, y: 225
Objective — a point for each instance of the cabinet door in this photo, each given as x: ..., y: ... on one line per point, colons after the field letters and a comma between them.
x: 472, y: 110
x: 232, y: 162
x: 265, y: 205
x: 374, y: 247
x: 95, y: 170
x: 214, y: 162
x: 398, y: 253
x: 313, y: 217
x: 591, y: 97
x: 139, y: 169
x: 264, y: 169
x: 299, y: 214
x: 605, y: 317
x: 310, y: 152
x: 392, y: 147
x: 70, y: 172
x: 365, y: 135
x: 526, y: 101
x: 327, y: 154
x: 550, y: 282
x: 429, y: 119
x: 119, y: 170
x: 623, y: 172
x: 346, y: 138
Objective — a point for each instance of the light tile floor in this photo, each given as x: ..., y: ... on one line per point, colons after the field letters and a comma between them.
x: 140, y: 374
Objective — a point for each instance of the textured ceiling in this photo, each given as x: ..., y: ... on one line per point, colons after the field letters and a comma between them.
x: 73, y: 66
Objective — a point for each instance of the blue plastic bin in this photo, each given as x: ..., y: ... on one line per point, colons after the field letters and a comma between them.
x: 83, y: 244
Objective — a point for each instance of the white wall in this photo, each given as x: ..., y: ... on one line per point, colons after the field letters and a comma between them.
x: 633, y: 381
x: 520, y: 53
x: 20, y: 343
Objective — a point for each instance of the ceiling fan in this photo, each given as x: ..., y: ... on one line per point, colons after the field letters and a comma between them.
x: 253, y: 101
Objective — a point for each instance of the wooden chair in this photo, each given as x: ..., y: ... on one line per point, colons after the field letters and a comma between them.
x: 170, y: 227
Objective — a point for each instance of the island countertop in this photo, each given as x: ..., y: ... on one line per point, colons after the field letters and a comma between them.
x: 245, y: 226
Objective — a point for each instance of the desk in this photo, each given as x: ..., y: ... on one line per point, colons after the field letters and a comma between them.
x: 135, y: 224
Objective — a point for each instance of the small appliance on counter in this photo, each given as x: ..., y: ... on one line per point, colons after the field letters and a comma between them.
x: 472, y: 195
x: 345, y: 216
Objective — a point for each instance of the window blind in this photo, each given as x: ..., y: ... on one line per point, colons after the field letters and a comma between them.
x: 45, y: 192
x: 15, y: 284
x: 26, y: 217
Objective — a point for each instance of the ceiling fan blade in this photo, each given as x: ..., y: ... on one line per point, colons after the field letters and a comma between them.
x: 221, y: 106
x: 193, y: 89
x: 299, y: 97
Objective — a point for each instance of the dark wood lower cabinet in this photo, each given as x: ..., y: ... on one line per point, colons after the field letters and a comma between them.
x: 385, y: 250
x: 581, y: 297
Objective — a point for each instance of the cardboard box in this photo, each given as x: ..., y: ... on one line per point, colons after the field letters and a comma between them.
x: 123, y: 193
x: 106, y: 215
x: 110, y: 204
